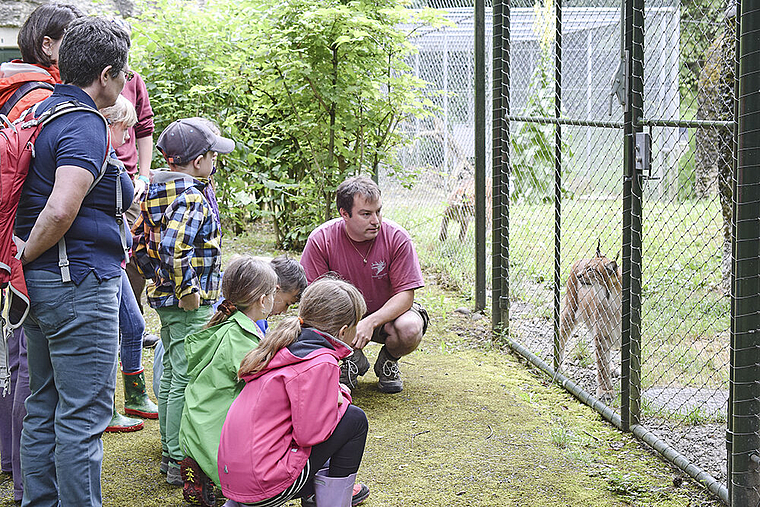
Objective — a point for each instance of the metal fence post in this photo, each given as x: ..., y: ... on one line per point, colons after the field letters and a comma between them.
x: 557, y: 176
x: 632, y: 194
x: 480, y: 155
x: 745, y: 320
x: 496, y: 161
x: 500, y: 170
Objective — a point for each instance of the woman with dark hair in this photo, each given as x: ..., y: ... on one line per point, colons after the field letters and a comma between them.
x: 30, y: 80
x: 24, y: 83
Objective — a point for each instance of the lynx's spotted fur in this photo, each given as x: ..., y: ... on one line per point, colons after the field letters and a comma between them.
x: 594, y: 297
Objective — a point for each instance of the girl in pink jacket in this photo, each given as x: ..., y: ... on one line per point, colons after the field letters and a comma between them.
x: 293, y: 415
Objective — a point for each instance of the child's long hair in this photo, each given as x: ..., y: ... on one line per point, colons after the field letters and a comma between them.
x: 245, y: 280
x: 327, y: 304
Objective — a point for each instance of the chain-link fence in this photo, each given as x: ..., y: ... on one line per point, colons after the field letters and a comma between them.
x: 685, y: 295
x: 613, y: 135
x: 435, y: 202
x: 622, y: 142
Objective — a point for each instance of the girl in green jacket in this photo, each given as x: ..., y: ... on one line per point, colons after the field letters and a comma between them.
x: 213, y: 359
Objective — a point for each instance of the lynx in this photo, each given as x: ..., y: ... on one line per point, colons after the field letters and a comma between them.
x: 460, y: 207
x: 594, y: 296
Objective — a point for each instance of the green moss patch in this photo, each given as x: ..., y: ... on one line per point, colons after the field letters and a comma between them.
x: 474, y: 426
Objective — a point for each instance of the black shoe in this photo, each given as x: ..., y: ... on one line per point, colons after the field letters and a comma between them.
x: 174, y: 474
x: 149, y: 340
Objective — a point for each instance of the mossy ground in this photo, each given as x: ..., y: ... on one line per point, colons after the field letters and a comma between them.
x: 474, y: 426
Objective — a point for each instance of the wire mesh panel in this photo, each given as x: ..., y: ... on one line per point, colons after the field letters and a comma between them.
x: 587, y: 179
x: 586, y: 174
x: 435, y: 202
x: 686, y: 222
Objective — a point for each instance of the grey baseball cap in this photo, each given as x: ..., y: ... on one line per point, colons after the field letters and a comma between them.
x: 184, y: 140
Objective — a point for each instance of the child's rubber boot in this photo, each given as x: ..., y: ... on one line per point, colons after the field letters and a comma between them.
x: 136, y: 401
x: 123, y: 424
x: 333, y: 491
x: 359, y: 494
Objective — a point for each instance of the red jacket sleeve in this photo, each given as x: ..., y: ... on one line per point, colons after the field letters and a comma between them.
x: 314, y: 406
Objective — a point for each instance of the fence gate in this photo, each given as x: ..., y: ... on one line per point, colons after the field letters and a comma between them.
x: 614, y: 134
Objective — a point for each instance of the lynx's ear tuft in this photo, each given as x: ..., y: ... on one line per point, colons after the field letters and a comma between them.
x: 599, y: 247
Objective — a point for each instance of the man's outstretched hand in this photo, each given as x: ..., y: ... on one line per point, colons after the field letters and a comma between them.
x: 364, y: 330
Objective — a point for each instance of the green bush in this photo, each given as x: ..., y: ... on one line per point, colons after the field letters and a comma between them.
x: 311, y: 90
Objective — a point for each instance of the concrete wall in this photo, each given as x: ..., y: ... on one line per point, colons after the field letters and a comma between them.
x: 14, y: 12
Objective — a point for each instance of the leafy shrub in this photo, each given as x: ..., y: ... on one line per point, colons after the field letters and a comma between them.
x: 311, y: 90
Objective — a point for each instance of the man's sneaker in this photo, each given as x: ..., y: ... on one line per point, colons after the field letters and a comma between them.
x: 352, y: 368
x: 149, y: 340
x: 388, y: 374
x: 198, y: 488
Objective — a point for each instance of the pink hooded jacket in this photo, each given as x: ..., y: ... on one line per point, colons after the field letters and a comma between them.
x: 281, y: 413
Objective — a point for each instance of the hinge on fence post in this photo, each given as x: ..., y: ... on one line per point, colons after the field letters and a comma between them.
x: 619, y: 85
x: 643, y: 155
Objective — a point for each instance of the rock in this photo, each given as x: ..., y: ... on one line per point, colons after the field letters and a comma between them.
x: 463, y: 311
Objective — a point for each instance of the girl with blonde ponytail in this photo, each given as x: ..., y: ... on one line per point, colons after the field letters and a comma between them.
x: 293, y: 415
x: 213, y: 357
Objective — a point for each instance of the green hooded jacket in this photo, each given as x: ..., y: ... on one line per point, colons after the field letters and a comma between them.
x: 213, y: 359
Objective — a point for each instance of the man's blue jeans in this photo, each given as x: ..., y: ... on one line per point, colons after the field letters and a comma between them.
x: 72, y: 339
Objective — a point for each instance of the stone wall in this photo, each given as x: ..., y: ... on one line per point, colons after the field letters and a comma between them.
x: 14, y: 12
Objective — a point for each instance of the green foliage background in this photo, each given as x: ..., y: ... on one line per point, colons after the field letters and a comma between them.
x: 311, y: 90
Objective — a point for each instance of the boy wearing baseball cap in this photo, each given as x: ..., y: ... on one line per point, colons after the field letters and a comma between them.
x: 177, y: 246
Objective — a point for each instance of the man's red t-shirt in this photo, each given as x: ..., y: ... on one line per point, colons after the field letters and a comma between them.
x: 392, y: 265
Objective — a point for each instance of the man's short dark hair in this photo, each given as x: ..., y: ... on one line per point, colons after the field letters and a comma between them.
x: 90, y: 45
x: 47, y: 20
x: 344, y: 195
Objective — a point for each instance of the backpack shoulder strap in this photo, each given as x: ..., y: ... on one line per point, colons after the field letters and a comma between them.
x: 20, y: 92
x: 55, y: 112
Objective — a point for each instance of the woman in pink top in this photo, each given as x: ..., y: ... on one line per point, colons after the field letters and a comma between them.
x: 293, y: 415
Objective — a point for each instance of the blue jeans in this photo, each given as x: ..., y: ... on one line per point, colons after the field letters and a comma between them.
x: 132, y: 325
x: 71, y: 335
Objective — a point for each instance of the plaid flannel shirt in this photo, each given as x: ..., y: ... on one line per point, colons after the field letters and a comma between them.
x: 177, y: 241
